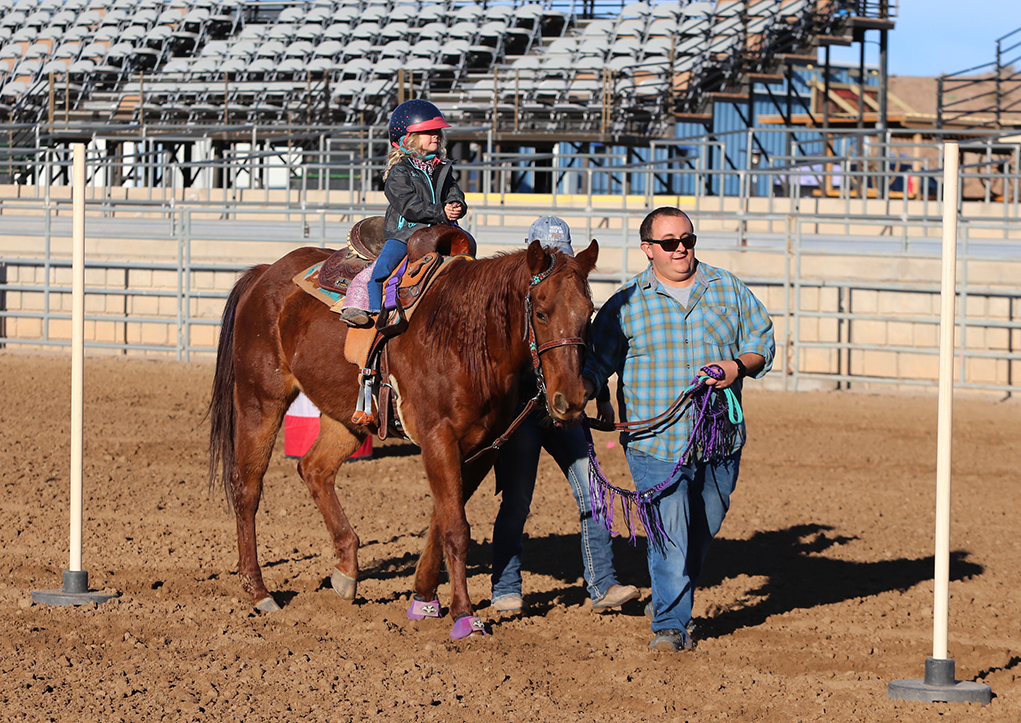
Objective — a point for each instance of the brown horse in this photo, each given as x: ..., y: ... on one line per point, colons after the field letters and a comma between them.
x: 455, y: 367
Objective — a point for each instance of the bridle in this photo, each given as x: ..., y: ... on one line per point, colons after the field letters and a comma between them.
x: 536, y: 350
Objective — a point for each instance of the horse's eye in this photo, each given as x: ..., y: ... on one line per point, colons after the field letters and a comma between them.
x: 541, y: 316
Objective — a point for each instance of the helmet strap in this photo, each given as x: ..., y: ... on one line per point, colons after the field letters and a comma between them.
x: 416, y: 154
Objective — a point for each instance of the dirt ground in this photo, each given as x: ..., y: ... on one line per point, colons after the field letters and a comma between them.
x: 818, y: 591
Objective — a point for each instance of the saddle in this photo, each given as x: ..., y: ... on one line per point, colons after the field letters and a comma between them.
x: 430, y: 253
x: 430, y: 250
x: 364, y: 242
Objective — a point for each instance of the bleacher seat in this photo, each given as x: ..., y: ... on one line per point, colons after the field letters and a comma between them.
x: 337, y: 31
x: 321, y: 65
x: 365, y: 31
x: 330, y: 49
x: 635, y: 10
x: 450, y: 47
x: 630, y: 28
x: 234, y: 66
x: 404, y: 13
x: 426, y: 48
x: 433, y: 31
x: 398, y: 49
x: 430, y: 14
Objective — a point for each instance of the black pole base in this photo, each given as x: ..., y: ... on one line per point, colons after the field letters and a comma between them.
x: 75, y: 591
x: 939, y: 686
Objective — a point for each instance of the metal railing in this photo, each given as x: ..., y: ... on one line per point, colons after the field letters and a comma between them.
x: 785, y: 165
x: 987, y: 95
x: 795, y: 195
x: 834, y: 328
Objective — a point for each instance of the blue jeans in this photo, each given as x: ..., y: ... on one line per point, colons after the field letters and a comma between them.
x: 692, y: 511
x: 388, y: 260
x: 516, y: 468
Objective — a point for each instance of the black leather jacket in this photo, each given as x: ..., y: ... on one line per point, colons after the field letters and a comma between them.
x: 415, y: 202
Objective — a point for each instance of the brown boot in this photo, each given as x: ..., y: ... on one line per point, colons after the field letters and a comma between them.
x: 616, y: 596
x: 358, y: 318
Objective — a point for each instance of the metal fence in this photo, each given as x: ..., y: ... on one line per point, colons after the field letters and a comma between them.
x: 848, y: 285
x: 317, y: 164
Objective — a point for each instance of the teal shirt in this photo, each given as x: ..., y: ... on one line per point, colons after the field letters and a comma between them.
x: 656, y: 347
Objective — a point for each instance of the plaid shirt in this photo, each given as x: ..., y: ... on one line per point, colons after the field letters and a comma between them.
x: 656, y: 348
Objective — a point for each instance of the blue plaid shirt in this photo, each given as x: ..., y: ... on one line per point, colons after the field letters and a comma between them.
x: 656, y: 348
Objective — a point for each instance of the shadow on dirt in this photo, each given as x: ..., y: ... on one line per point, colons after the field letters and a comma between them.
x: 798, y: 574
x: 390, y: 449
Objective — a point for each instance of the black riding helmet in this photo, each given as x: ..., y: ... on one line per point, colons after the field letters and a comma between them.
x: 412, y: 116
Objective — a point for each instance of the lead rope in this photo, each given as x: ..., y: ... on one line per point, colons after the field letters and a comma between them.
x: 717, y: 414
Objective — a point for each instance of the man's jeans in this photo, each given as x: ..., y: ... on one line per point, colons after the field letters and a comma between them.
x: 692, y: 511
x: 516, y: 468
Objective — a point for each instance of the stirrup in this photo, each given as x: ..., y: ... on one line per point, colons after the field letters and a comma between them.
x: 362, y: 418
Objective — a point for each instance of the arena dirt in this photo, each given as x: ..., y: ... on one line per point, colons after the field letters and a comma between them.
x: 818, y: 591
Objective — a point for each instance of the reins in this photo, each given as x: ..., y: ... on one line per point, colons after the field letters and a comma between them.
x: 536, y: 350
x: 641, y: 425
x: 645, y: 425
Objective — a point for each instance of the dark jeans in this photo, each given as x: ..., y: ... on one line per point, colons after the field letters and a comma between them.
x: 516, y: 468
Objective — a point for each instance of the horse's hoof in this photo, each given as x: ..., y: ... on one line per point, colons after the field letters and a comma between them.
x: 267, y: 605
x: 467, y: 625
x: 423, y: 609
x: 345, y: 586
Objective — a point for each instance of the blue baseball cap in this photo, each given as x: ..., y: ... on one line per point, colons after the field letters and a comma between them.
x: 553, y: 233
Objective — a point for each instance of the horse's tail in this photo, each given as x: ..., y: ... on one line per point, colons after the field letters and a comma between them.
x: 221, y: 412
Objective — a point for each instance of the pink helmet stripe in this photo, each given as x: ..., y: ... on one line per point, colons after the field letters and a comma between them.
x: 428, y: 125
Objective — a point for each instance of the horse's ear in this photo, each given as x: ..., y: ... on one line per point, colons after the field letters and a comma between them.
x: 536, y: 257
x: 587, y: 258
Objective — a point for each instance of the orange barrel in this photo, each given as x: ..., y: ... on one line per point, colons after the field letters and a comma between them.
x: 365, y: 451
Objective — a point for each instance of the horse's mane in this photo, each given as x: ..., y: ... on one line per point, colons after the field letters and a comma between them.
x: 476, y: 294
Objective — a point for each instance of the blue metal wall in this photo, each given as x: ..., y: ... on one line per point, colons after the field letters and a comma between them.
x: 730, y: 148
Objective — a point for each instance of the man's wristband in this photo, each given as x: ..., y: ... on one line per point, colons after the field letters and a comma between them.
x: 742, y: 370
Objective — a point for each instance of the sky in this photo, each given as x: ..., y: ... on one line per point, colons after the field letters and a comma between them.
x: 933, y: 37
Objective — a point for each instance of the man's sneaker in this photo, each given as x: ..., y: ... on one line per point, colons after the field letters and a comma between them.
x: 671, y: 641
x: 616, y: 596
x: 358, y: 318
x: 509, y: 605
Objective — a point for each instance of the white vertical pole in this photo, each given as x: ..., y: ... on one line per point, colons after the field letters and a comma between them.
x: 944, y: 437
x: 77, y: 351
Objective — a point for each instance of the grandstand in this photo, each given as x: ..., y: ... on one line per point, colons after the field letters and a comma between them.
x: 607, y: 69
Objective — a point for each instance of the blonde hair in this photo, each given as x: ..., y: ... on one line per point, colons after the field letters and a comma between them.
x: 411, y: 143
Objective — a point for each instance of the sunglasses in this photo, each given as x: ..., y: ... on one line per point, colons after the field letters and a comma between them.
x: 670, y: 244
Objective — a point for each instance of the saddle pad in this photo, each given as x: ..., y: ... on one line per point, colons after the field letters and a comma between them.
x: 308, y: 281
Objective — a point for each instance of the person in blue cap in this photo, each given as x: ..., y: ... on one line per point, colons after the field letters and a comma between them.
x: 420, y: 187
x: 516, y: 468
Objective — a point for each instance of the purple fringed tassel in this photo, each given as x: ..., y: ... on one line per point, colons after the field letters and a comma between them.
x: 712, y: 432
x: 712, y: 439
x: 633, y: 504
